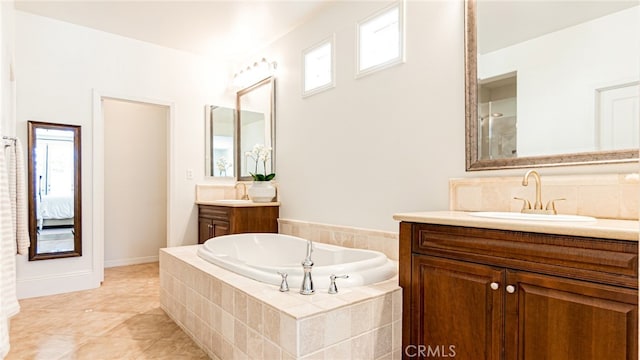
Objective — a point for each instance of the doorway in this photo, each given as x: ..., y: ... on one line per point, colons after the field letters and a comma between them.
x: 135, y: 181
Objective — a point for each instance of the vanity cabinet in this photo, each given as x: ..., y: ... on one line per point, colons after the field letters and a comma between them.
x: 472, y: 293
x: 217, y: 220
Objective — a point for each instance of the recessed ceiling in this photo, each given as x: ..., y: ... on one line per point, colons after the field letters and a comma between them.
x: 222, y: 28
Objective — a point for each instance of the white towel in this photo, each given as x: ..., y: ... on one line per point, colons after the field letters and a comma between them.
x: 8, y: 301
x: 18, y: 197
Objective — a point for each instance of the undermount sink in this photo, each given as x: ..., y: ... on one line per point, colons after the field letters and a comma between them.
x: 533, y: 217
x: 233, y: 201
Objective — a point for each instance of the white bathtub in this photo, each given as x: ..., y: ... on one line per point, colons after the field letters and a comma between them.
x: 261, y: 256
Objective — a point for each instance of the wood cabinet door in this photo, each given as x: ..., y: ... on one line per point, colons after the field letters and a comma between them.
x: 556, y: 318
x: 219, y: 228
x: 455, y: 312
x: 204, y: 230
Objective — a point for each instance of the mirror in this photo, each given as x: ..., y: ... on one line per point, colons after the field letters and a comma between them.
x: 546, y: 90
x: 55, y: 225
x: 219, y: 143
x: 255, y: 109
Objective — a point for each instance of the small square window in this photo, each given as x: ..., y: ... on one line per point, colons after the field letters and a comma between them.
x: 380, y: 40
x: 318, y: 68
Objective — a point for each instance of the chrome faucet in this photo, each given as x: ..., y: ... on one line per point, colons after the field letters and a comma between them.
x: 307, y: 282
x: 537, y: 205
x: 244, y: 190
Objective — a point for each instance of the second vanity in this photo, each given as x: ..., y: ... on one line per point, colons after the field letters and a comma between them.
x: 224, y: 217
x: 482, y: 288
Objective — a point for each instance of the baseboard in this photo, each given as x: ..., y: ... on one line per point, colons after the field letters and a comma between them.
x: 130, y: 261
x: 56, y: 284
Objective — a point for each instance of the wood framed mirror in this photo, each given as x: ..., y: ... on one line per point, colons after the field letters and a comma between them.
x: 55, y: 203
x: 255, y: 125
x: 551, y: 91
x: 219, y: 141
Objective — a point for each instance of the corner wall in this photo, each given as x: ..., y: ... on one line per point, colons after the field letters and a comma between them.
x: 58, y: 68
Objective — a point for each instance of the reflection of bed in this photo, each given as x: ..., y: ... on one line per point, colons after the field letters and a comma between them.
x: 55, y: 210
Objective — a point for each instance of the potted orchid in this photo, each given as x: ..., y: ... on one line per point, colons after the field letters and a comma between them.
x: 261, y: 190
x: 260, y: 154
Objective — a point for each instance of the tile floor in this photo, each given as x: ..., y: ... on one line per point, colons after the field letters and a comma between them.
x: 120, y: 320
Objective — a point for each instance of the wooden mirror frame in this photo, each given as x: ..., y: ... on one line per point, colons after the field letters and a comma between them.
x: 473, y: 162
x: 77, y: 203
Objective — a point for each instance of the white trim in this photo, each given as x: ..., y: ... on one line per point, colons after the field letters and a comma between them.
x: 401, y: 58
x: 331, y: 40
x: 98, y: 171
x: 56, y: 284
x: 130, y: 261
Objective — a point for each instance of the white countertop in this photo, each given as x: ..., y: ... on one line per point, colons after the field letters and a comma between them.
x: 234, y: 204
x: 601, y: 228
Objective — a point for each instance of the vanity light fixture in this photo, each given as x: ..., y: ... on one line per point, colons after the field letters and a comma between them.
x: 253, y: 73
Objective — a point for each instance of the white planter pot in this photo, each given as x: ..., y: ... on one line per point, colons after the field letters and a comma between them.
x: 262, y: 191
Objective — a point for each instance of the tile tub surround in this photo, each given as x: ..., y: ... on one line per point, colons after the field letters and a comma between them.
x: 608, y: 196
x: 351, y: 237
x: 233, y: 317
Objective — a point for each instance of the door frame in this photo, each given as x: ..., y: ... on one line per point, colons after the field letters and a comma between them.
x: 97, y: 158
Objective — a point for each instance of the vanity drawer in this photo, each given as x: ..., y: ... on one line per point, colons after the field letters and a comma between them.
x: 214, y: 212
x: 595, y: 259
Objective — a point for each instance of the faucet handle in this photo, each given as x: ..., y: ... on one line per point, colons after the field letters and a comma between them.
x: 551, y: 205
x: 284, y: 286
x: 333, y: 289
x: 526, y: 205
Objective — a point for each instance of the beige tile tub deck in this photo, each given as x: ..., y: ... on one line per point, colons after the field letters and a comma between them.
x: 259, y: 322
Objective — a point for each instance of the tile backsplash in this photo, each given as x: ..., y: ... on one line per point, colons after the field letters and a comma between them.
x: 614, y: 196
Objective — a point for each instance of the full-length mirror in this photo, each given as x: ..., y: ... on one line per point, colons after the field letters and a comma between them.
x: 546, y: 90
x: 219, y: 141
x: 55, y: 225
x: 255, y: 126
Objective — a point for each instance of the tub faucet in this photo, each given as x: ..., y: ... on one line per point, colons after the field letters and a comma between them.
x: 307, y: 282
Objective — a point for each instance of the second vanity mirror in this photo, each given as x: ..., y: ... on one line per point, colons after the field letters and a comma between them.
x: 55, y: 224
x: 255, y: 107
x: 219, y: 141
x: 232, y: 133
x: 547, y: 90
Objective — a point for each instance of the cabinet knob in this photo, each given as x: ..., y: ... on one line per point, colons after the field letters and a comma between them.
x: 495, y: 286
x: 511, y: 289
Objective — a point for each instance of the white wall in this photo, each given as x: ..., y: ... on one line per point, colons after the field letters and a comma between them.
x: 7, y: 90
x: 558, y: 75
x: 381, y: 144
x: 353, y: 155
x: 135, y: 181
x: 58, y: 68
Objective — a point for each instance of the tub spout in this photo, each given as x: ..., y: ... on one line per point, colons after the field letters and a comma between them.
x: 307, y: 282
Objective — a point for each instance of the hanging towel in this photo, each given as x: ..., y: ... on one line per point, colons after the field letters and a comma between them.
x: 18, y: 197
x: 8, y: 301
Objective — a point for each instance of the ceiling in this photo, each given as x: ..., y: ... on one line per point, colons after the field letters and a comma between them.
x: 222, y: 28
x: 233, y: 29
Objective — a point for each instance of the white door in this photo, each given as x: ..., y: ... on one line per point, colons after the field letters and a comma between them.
x: 618, y: 117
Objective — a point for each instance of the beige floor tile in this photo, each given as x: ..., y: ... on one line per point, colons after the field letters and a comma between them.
x: 120, y: 320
